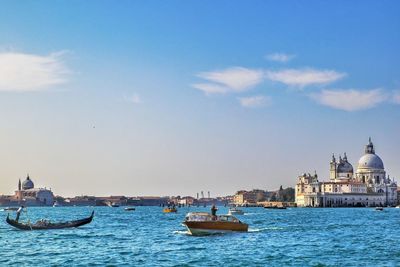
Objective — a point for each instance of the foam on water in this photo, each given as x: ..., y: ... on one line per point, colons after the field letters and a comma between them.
x: 181, y: 232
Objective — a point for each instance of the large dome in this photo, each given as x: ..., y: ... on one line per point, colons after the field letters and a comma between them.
x: 370, y: 161
x: 27, y: 184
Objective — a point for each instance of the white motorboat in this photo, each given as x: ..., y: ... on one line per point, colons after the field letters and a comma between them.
x: 235, y: 211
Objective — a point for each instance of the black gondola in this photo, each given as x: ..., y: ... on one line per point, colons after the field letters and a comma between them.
x: 44, y: 225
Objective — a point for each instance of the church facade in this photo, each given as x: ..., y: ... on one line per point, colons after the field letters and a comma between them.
x: 369, y: 186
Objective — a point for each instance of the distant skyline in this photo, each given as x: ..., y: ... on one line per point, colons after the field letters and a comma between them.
x: 167, y: 98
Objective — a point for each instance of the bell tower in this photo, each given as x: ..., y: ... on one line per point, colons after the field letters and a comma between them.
x: 333, y: 168
x: 19, y: 192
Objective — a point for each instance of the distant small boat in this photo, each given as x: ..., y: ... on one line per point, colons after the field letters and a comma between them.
x: 56, y: 204
x: 379, y: 208
x: 169, y: 210
x: 129, y: 208
x: 397, y: 207
x: 10, y: 209
x: 235, y: 211
x: 203, y: 223
x: 46, y: 225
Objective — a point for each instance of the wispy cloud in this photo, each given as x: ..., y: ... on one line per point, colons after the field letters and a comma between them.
x: 280, y: 57
x: 396, y: 97
x: 211, y: 88
x: 239, y: 79
x: 351, y: 99
x: 304, y: 77
x: 235, y: 79
x: 21, y: 72
x: 254, y: 101
x: 134, y: 99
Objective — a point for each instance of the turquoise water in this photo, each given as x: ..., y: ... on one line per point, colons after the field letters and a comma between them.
x: 293, y: 237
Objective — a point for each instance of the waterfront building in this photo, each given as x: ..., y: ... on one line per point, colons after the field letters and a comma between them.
x: 244, y: 197
x: 368, y: 186
x: 186, y: 201
x: 28, y: 195
x: 148, y: 201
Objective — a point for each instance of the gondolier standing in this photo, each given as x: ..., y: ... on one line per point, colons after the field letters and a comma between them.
x: 19, y: 212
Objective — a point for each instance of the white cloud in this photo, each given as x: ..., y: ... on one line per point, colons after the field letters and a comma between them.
x: 280, y: 57
x: 27, y: 72
x: 304, y: 77
x: 351, y: 99
x: 254, y: 101
x: 236, y: 79
x: 134, y: 99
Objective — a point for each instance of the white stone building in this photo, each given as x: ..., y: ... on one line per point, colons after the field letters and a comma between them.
x: 369, y: 186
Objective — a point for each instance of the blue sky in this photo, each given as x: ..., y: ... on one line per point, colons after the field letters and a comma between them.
x: 175, y: 97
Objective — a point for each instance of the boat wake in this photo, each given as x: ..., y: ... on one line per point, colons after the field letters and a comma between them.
x: 255, y: 230
x: 181, y: 232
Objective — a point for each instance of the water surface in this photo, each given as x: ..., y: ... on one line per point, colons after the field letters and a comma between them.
x: 292, y: 237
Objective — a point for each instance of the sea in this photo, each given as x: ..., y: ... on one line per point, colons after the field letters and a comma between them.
x: 149, y: 237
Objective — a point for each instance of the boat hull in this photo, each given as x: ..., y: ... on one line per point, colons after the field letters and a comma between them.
x: 203, y: 228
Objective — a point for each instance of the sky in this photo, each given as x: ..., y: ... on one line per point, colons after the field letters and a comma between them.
x: 177, y: 97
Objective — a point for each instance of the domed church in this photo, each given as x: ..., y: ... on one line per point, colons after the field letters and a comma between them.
x: 28, y: 195
x: 368, y: 186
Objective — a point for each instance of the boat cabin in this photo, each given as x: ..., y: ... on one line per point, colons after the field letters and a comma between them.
x: 204, y: 217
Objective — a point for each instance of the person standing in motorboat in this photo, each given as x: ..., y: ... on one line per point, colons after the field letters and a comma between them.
x: 214, y: 212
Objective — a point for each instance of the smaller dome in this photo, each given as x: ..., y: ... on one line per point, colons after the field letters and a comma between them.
x: 344, y: 167
x: 27, y: 184
x: 370, y: 161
